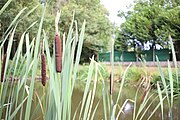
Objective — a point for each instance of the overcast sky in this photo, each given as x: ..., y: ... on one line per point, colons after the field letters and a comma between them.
x: 113, y: 6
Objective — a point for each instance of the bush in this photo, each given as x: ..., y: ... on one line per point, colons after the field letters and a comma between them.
x: 134, y: 74
x: 83, y: 73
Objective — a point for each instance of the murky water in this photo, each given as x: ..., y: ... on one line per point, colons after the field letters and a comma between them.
x: 129, y: 93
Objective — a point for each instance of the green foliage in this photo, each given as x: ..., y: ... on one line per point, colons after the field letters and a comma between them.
x: 157, y: 78
x: 12, y: 11
x: 83, y: 73
x: 134, y: 74
x: 98, y: 27
x: 16, y: 6
x: 149, y: 21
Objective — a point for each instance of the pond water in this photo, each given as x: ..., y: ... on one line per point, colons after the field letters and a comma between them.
x: 128, y: 93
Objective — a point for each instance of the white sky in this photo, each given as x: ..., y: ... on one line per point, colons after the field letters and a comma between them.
x: 113, y: 6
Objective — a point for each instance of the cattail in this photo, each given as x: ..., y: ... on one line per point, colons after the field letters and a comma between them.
x: 3, y: 67
x: 111, y: 84
x: 43, y: 69
x: 58, y: 53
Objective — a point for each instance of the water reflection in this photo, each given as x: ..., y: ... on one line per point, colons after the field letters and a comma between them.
x: 127, y: 111
x: 128, y: 107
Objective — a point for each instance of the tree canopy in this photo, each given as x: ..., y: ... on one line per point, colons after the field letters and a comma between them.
x: 151, y: 22
x: 16, y: 6
x: 98, y: 27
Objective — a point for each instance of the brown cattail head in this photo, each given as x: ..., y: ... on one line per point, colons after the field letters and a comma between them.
x: 110, y: 84
x: 43, y: 69
x: 3, y: 67
x: 58, y: 53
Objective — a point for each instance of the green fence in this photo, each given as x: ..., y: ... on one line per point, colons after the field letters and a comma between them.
x: 129, y: 56
x: 117, y: 56
x: 149, y: 55
x: 104, y: 57
x: 163, y: 55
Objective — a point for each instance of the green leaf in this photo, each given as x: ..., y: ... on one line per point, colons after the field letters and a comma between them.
x: 5, y: 6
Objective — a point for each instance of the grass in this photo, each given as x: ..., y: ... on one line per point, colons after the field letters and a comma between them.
x: 54, y: 101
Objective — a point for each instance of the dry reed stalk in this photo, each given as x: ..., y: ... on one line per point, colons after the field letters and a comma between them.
x: 145, y: 91
x: 3, y: 68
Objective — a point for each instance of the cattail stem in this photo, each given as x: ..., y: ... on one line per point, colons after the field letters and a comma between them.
x: 58, y: 53
x: 43, y: 69
x: 3, y: 68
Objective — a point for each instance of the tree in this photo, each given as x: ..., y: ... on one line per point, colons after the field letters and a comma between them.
x: 150, y: 22
x: 15, y: 7
x: 98, y: 27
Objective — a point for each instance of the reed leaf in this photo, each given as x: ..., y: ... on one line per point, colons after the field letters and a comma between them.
x: 91, y: 67
x: 94, y: 90
x: 79, y: 49
x: 149, y: 105
x: 171, y: 83
x: 135, y: 100
x: 34, y: 69
x: 112, y: 68
x: 152, y: 113
x: 143, y: 104
x: 95, y: 110
x: 163, y: 80
x: 104, y: 103
x: 174, y: 59
x: 5, y: 6
x: 113, y: 116
x: 86, y: 108
x: 161, y: 100
x: 18, y: 108
x: 121, y: 110
x: 14, y: 21
x: 122, y: 83
x: 5, y: 84
x: 75, y: 113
